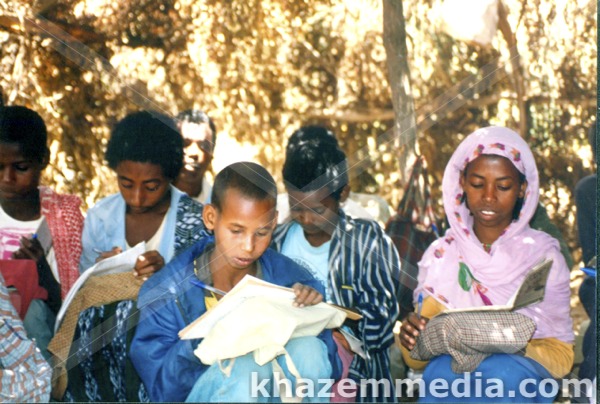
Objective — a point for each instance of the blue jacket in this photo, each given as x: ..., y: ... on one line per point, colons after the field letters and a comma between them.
x: 168, y: 302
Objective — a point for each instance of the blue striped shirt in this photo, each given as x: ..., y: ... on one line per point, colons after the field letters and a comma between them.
x: 364, y: 268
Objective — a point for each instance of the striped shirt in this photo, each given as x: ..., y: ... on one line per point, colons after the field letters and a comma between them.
x: 24, y: 374
x: 364, y: 268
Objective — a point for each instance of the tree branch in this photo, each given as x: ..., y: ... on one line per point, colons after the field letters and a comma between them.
x: 47, y: 29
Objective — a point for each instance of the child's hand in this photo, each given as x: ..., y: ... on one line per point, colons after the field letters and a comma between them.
x: 148, y: 263
x: 306, y: 296
x: 102, y: 255
x: 410, y: 330
x: 30, y: 249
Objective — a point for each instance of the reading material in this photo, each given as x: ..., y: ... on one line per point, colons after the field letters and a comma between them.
x: 247, y: 288
x: 258, y: 317
x: 44, y: 236
x: 531, y: 291
x: 119, y: 263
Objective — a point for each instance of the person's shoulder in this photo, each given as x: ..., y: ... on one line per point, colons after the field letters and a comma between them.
x: 587, y: 185
x: 545, y: 241
x: 64, y: 201
x: 189, y: 205
x: 362, y: 226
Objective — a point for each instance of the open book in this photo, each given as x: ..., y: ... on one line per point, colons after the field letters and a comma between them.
x: 531, y: 291
x: 119, y: 263
x: 247, y: 288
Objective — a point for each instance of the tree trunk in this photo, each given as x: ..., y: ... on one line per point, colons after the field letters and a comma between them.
x: 394, y: 40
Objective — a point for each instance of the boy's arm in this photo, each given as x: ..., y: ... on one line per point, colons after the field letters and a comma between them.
x: 377, y: 300
x: 165, y: 363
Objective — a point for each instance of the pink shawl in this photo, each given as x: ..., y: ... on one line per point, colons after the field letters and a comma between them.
x: 66, y: 224
x: 458, y: 272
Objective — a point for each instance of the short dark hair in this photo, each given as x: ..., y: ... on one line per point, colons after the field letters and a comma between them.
x: 196, y: 116
x: 313, y: 160
x: 250, y: 179
x: 26, y: 128
x: 147, y: 137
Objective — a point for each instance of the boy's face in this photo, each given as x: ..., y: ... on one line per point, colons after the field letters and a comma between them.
x: 317, y: 213
x: 242, y: 228
x: 198, y: 150
x: 19, y: 176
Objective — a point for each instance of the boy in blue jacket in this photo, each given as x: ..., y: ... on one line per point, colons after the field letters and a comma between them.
x: 242, y: 217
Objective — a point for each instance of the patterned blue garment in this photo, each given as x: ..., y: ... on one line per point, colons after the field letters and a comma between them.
x: 24, y: 374
x: 103, y: 370
x: 364, y: 269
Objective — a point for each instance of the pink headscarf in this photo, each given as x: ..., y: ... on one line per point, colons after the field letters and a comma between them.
x: 459, y: 273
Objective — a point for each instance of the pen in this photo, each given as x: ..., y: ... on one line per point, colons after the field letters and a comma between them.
x: 419, y: 305
x: 203, y: 285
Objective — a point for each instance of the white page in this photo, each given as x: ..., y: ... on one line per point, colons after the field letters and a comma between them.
x: 356, y: 345
x: 119, y: 263
x: 248, y: 287
x: 44, y: 236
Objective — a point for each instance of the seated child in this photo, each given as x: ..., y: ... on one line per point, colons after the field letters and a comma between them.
x: 490, y: 192
x: 355, y: 261
x: 23, y: 206
x: 146, y: 152
x: 242, y: 216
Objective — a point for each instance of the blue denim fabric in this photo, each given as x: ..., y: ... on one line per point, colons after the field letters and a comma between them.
x: 309, y: 355
x: 39, y: 325
x: 511, y: 370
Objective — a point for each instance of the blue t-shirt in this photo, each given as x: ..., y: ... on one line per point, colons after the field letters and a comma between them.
x: 315, y: 259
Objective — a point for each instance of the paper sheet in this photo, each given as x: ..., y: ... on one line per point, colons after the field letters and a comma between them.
x: 119, y: 263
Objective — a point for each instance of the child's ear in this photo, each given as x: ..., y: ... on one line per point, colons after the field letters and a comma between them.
x: 209, y: 215
x: 461, y: 180
x: 345, y: 193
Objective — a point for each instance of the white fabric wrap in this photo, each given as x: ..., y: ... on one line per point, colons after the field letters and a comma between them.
x: 264, y: 325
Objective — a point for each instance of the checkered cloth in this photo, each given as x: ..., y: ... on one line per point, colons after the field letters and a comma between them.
x: 470, y: 337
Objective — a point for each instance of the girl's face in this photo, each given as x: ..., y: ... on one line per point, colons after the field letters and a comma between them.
x: 143, y: 186
x: 19, y: 176
x: 492, y: 186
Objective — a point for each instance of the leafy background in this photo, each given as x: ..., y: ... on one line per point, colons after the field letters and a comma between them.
x: 262, y: 68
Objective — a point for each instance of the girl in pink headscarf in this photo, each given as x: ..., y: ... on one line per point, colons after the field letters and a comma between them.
x: 490, y: 193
